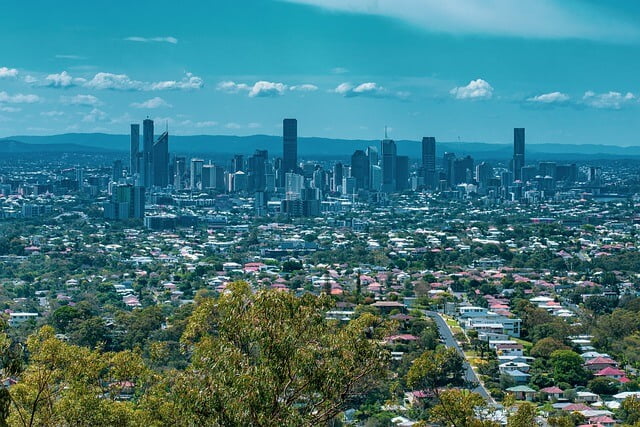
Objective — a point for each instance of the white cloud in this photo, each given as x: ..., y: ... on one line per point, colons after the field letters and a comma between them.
x: 339, y: 70
x: 124, y: 82
x: 368, y: 89
x: 52, y: 113
x: 30, y: 79
x: 304, y: 88
x: 267, y: 89
x: 550, y: 98
x: 169, y: 39
x: 206, y: 124
x: 254, y: 125
x: 69, y: 57
x: 476, y: 89
x: 95, y: 115
x: 113, y: 81
x: 233, y: 126
x: 63, y: 80
x: 156, y: 102
x: 8, y: 72
x: 523, y: 18
x: 189, y: 82
x: 232, y: 87
x: 609, y: 100
x: 19, y: 98
x: 6, y: 109
x: 85, y: 100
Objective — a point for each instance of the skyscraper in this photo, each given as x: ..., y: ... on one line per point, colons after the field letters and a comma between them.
x: 160, y: 161
x: 289, y: 145
x: 518, y: 153
x: 389, y: 154
x: 147, y: 151
x: 338, y: 173
x: 402, y: 173
x: 257, y: 169
x: 196, y: 174
x: 429, y: 161
x: 117, y: 170
x: 360, y: 169
x: 237, y: 163
x: 134, y: 150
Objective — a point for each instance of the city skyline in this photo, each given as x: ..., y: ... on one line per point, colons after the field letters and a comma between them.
x: 451, y: 76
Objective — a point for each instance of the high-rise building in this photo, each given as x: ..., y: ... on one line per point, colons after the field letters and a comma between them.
x: 117, y: 170
x: 257, y: 170
x: 338, y: 173
x: 484, y: 173
x: 462, y: 170
x: 134, y: 150
x: 402, y: 173
x: 376, y: 177
x: 237, y: 163
x: 160, y: 161
x: 389, y: 154
x: 360, y: 169
x: 179, y: 172
x: 429, y: 161
x: 289, y: 145
x: 374, y: 159
x: 518, y: 153
x: 147, y: 153
x: 447, y: 166
x: 294, y: 185
x: 196, y: 174
x: 126, y: 202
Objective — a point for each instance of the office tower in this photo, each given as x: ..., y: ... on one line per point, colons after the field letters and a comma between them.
x: 447, y: 166
x: 567, y: 173
x: 134, y: 150
x: 319, y: 180
x: 196, y: 174
x: 138, y: 202
x: 261, y: 200
x: 338, y: 173
x: 348, y: 185
x: 237, y: 164
x: 147, y: 153
x: 257, y: 169
x: 376, y: 177
x: 528, y: 173
x: 402, y: 173
x: 389, y: 154
x: 117, y: 170
x: 374, y: 159
x: 518, y: 153
x: 293, y: 186
x: 208, y: 172
x: 308, y: 168
x: 179, y: 172
x: 160, y: 161
x: 126, y: 202
x: 289, y: 145
x: 462, y: 170
x: 360, y: 169
x: 429, y: 161
x: 484, y: 174
x: 547, y: 169
x: 239, y: 180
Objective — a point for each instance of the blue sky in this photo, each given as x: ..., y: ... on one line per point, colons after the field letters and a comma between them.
x: 567, y: 70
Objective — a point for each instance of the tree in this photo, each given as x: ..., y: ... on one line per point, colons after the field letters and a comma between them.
x: 525, y: 416
x: 603, y: 385
x: 461, y: 408
x: 270, y: 359
x: 630, y: 410
x: 567, y: 367
x: 546, y: 346
x: 436, y: 368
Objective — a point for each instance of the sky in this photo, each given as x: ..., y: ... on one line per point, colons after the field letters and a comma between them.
x: 469, y: 70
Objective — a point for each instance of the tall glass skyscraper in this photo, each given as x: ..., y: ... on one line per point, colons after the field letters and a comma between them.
x: 429, y: 161
x: 389, y: 154
x: 147, y: 153
x: 518, y: 153
x: 289, y: 145
x: 160, y: 161
x: 134, y: 148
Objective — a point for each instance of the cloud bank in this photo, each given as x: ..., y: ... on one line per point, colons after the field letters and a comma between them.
x: 548, y: 19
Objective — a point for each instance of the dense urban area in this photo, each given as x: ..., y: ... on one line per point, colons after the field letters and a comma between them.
x: 157, y: 288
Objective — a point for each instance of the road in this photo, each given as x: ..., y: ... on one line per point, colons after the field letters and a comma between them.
x: 450, y: 341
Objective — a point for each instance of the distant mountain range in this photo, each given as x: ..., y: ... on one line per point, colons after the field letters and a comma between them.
x: 219, y: 145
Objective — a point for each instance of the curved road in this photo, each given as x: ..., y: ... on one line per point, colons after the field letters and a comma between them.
x: 450, y: 341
